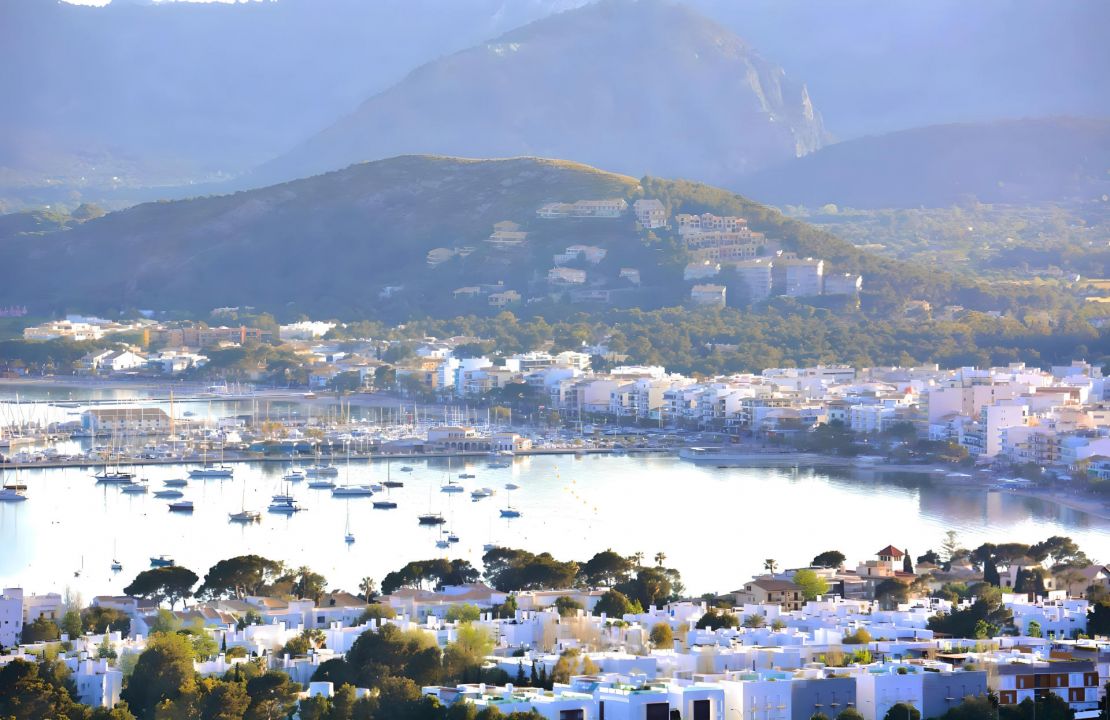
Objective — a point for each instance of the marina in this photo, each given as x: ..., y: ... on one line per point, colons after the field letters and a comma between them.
x: 568, y: 504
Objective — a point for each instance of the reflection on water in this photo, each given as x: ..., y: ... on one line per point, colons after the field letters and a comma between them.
x: 715, y: 525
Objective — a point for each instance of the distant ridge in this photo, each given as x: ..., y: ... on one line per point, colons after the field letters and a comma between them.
x: 1013, y: 161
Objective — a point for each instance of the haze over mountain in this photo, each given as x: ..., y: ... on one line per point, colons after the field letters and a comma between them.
x: 876, y: 66
x: 157, y: 94
x: 102, y: 101
x: 1016, y: 161
x: 643, y: 86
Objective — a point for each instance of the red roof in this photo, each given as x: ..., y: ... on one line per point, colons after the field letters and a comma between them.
x: 891, y: 551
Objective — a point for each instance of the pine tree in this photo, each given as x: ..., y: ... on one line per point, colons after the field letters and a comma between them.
x: 907, y: 564
x: 520, y: 680
x: 990, y: 574
x: 535, y: 681
x: 543, y: 677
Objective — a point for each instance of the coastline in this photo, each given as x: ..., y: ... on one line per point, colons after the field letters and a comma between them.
x: 752, y: 458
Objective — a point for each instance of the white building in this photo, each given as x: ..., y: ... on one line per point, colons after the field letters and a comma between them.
x: 801, y: 277
x: 843, y: 284
x: 757, y: 277
x: 880, y: 687
x: 11, y: 617
x: 566, y: 276
x: 126, y: 421
x: 305, y: 330
x: 708, y: 295
x: 650, y: 213
x: 98, y: 684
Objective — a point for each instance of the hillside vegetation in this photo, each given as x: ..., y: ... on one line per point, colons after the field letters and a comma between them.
x: 354, y: 244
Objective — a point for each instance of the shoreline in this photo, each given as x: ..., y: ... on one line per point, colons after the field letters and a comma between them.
x: 1095, y: 507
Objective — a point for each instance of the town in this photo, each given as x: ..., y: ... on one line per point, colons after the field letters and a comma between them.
x: 1026, y: 426
x: 937, y: 636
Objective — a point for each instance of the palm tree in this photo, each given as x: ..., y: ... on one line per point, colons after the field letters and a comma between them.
x: 368, y: 588
x: 660, y: 557
x: 638, y: 558
x: 770, y: 565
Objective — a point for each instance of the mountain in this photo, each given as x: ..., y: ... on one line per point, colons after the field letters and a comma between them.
x: 1016, y: 162
x: 101, y: 99
x: 878, y: 66
x: 642, y: 87
x: 354, y: 243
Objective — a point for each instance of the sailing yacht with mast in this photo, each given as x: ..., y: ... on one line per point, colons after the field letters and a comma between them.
x: 509, y: 511
x: 244, y: 515
x: 389, y: 481
x: 347, y: 489
x: 212, y: 471
x: 348, y: 536
x: 321, y: 469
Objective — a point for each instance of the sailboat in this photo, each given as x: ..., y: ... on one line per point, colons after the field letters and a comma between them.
x: 13, y: 493
x: 491, y: 544
x: 321, y: 469
x: 114, y: 476
x: 348, y: 536
x: 431, y: 518
x: 509, y: 511
x: 212, y: 471
x: 116, y: 564
x: 244, y: 515
x: 385, y: 503
x: 389, y: 481
x: 293, y: 474
x: 451, y: 486
x: 139, y: 487
x: 348, y: 490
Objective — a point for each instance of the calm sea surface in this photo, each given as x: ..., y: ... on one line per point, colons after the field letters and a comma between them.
x: 715, y: 525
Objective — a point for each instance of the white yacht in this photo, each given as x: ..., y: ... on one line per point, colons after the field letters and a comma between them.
x: 175, y: 482
x: 293, y: 476
x: 245, y: 516
x: 114, y: 477
x: 182, y: 506
x: 321, y: 471
x: 320, y: 484
x: 284, y: 507
x: 169, y: 493
x: 140, y: 487
x: 352, y: 491
x: 212, y: 471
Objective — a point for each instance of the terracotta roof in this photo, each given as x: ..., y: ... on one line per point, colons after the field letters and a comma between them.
x: 891, y: 551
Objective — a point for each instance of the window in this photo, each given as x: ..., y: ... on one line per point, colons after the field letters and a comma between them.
x: 701, y: 710
x: 578, y: 714
x: 1007, y: 697
x: 657, y: 711
x: 601, y: 710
